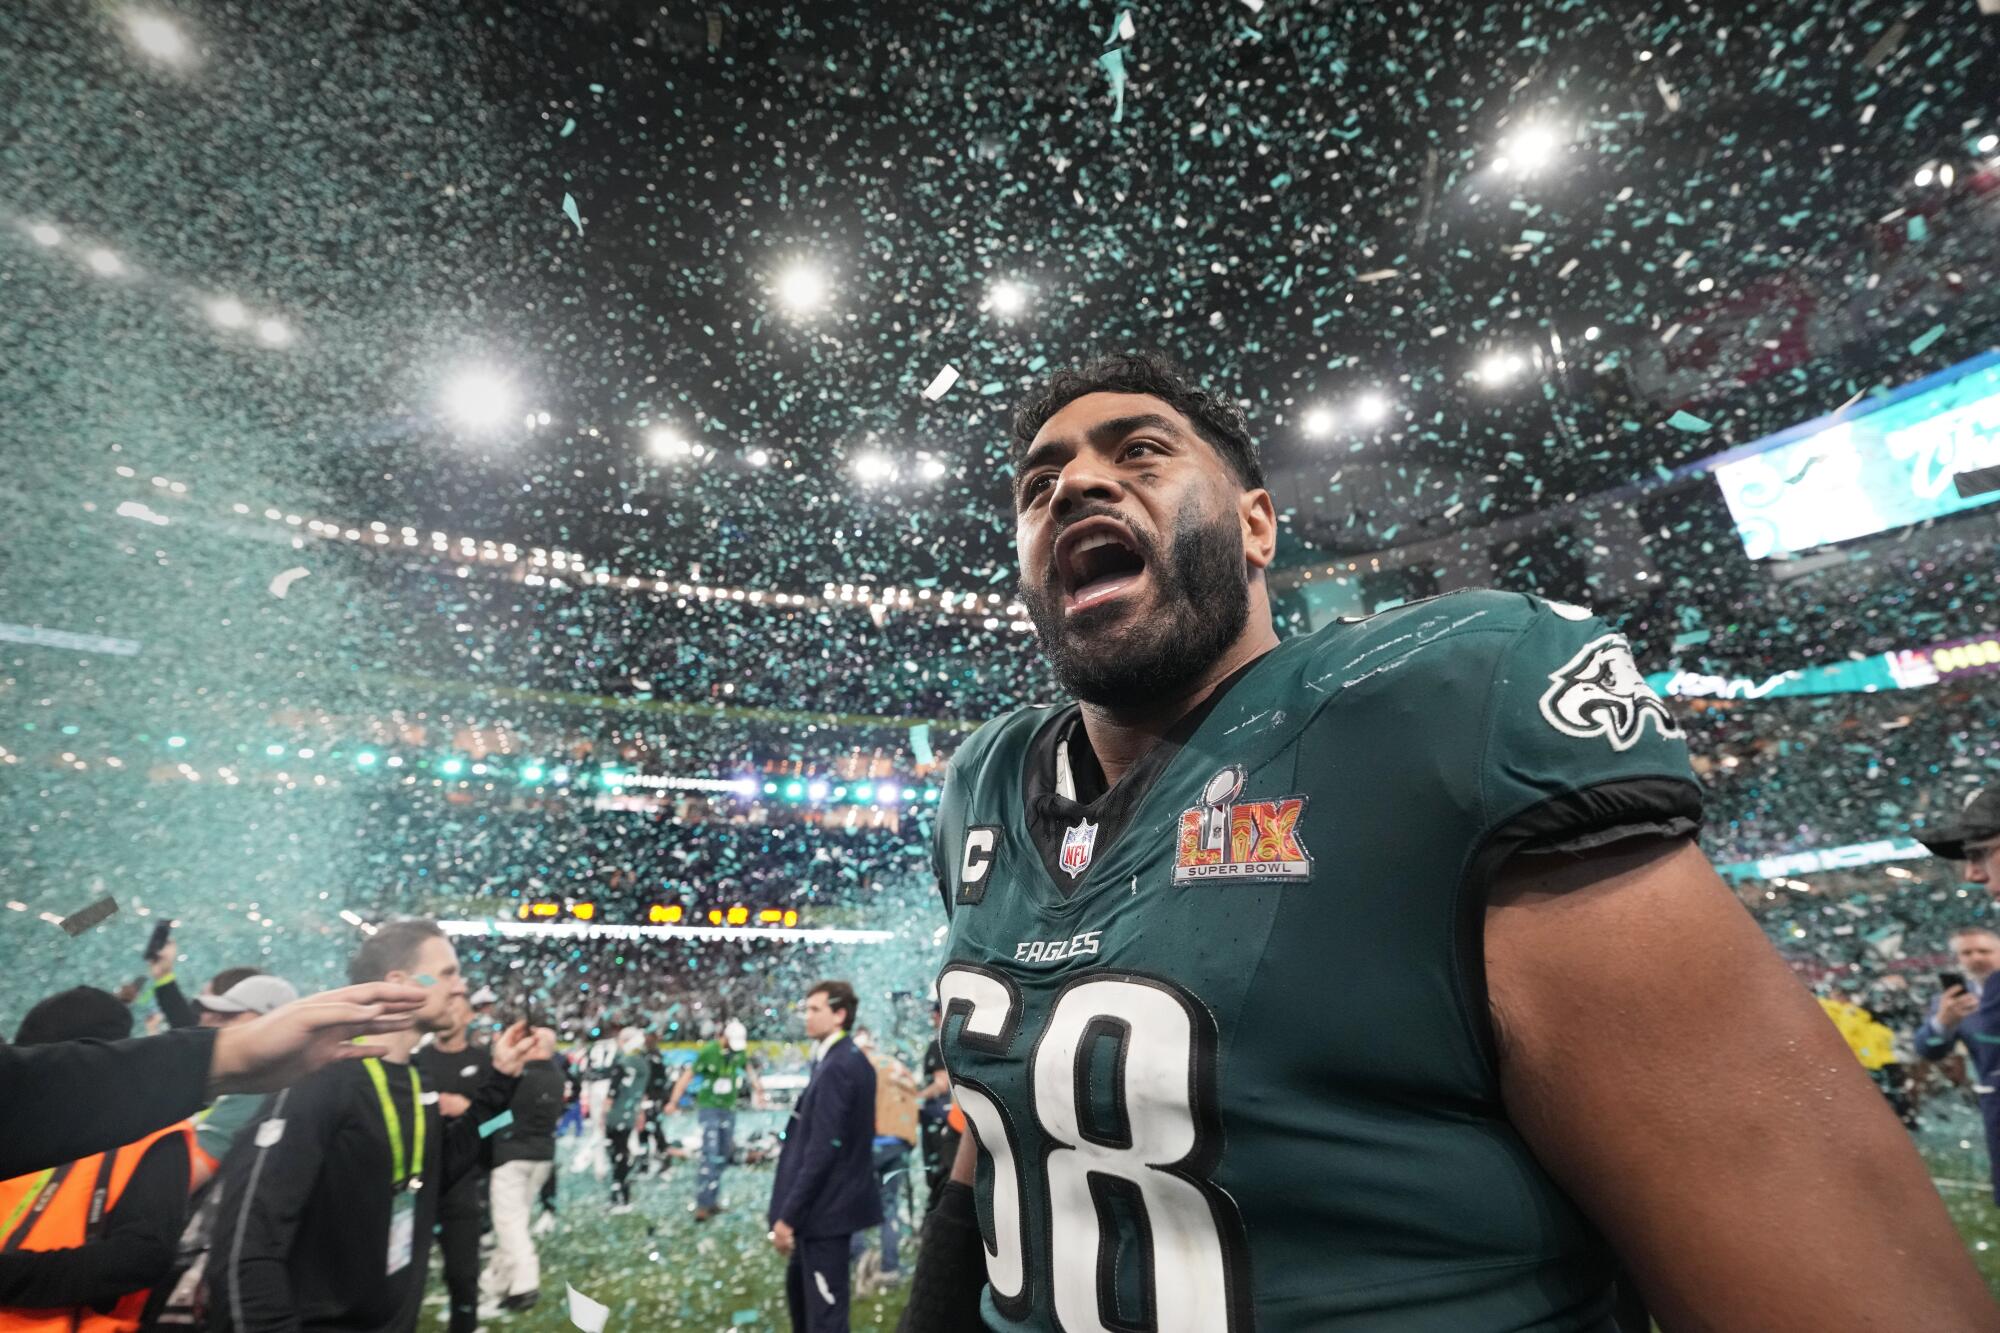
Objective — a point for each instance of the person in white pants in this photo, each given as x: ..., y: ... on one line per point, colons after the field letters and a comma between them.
x: 523, y: 1156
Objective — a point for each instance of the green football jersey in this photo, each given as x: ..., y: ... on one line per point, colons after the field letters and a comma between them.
x: 1221, y: 1032
x: 721, y: 1074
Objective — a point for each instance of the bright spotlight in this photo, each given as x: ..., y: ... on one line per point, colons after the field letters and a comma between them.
x: 158, y: 37
x: 104, y: 263
x: 1591, y: 334
x: 479, y: 399
x: 1498, y: 368
x: 1946, y: 175
x: 932, y: 469
x: 1008, y: 297
x: 1371, y: 407
x: 1925, y: 175
x: 44, y: 234
x: 874, y: 467
x: 228, y: 312
x: 757, y: 457
x: 1988, y: 142
x: 274, y: 332
x: 802, y: 288
x: 1527, y: 149
x: 1318, y: 421
x: 663, y: 443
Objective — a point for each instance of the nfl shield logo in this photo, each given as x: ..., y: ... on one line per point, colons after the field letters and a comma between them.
x: 1076, y: 848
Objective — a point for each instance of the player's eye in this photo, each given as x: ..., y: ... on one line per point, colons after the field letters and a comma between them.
x: 1148, y: 445
x: 1036, y: 484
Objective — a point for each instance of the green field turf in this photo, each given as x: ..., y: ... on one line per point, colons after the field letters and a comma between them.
x: 658, y: 1270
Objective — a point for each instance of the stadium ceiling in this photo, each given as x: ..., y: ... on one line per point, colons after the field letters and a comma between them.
x: 1570, y: 248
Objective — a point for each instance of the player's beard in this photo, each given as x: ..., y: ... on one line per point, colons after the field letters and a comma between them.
x: 1204, y: 601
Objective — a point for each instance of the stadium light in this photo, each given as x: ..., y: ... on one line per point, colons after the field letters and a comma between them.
x: 227, y: 312
x: 663, y: 443
x: 794, y: 790
x: 452, y: 767
x: 531, y: 772
x: 479, y: 399
x: 366, y: 759
x: 1987, y: 143
x: 45, y: 234
x: 757, y: 457
x: 1007, y: 298
x: 874, y: 467
x: 931, y: 468
x: 1925, y: 175
x: 157, y: 36
x: 817, y: 791
x: 1591, y: 334
x: 1318, y: 422
x: 274, y: 332
x: 1498, y: 368
x: 1371, y: 408
x: 104, y: 263
x: 864, y: 792
x: 1526, y: 151
x: 802, y: 288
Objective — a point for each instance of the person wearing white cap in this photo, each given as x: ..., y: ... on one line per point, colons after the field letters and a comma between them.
x: 216, y: 1128
x: 724, y: 1068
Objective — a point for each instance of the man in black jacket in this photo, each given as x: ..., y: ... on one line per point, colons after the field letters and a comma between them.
x: 524, y: 1156
x: 455, y: 1067
x: 331, y: 1196
x: 826, y: 1188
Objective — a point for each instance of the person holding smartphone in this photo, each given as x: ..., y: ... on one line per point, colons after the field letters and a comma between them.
x: 1968, y: 1009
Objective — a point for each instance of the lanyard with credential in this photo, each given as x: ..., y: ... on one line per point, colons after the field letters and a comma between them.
x: 394, y: 1123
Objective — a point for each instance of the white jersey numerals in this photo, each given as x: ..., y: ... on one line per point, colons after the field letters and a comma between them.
x: 1164, y: 1141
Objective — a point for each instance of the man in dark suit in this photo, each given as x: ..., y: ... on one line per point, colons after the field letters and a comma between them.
x: 826, y: 1188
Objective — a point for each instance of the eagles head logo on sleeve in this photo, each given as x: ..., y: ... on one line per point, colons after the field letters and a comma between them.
x: 1600, y: 692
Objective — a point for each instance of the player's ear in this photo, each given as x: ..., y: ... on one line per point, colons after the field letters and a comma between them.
x: 1260, y: 527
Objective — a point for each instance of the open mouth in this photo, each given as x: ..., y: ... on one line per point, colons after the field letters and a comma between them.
x: 1096, y: 561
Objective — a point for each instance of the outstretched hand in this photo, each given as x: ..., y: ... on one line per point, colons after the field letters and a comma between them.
x: 293, y: 1040
x: 513, y: 1048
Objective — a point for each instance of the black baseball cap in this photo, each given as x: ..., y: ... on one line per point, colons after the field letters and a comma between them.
x: 1977, y: 820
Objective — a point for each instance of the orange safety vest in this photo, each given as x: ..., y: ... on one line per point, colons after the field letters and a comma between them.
x: 63, y: 1208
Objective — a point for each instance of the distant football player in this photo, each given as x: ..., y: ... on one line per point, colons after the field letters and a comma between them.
x: 1341, y: 982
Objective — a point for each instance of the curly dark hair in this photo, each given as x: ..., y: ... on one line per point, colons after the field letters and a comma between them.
x: 1216, y: 419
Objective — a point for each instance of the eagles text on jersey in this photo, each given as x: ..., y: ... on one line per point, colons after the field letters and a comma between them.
x: 1221, y: 1032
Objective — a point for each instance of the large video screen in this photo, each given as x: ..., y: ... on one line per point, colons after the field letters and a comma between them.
x: 1871, y: 470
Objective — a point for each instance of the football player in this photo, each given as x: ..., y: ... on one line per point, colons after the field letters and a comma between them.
x: 1340, y: 982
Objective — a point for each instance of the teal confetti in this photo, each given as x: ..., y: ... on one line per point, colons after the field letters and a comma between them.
x: 569, y: 211
x: 1687, y: 421
x: 1924, y: 341
x: 920, y: 743
x: 569, y: 127
x: 488, y: 1128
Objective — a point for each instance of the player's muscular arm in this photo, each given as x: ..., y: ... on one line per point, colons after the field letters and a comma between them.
x: 1668, y: 1070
